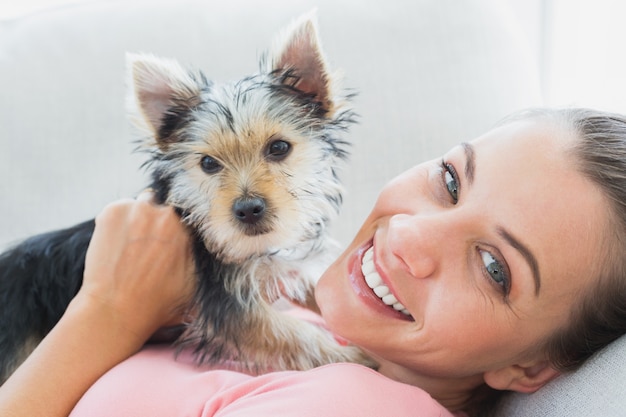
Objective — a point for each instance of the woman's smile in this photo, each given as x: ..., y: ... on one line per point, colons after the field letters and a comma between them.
x: 372, y: 288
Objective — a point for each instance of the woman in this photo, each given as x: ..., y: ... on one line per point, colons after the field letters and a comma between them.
x: 472, y: 273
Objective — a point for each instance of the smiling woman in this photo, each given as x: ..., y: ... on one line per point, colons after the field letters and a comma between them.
x: 470, y: 277
x: 483, y: 255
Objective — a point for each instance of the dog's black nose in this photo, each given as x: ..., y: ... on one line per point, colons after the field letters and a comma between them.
x: 249, y: 210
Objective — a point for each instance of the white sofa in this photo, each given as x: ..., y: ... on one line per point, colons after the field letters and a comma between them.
x: 430, y: 73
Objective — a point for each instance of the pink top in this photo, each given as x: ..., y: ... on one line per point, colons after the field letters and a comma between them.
x: 154, y: 383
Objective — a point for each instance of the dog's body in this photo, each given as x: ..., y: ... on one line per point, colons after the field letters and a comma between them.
x: 251, y: 168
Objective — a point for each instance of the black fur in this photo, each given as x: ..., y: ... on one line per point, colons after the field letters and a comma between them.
x: 38, y: 278
x: 216, y: 306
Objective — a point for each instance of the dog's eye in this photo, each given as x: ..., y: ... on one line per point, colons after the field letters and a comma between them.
x: 210, y: 165
x: 278, y: 150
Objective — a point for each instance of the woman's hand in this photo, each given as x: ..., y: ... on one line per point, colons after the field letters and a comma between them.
x: 138, y: 277
x: 139, y: 265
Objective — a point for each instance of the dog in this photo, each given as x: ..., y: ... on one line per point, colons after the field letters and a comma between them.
x: 252, y: 167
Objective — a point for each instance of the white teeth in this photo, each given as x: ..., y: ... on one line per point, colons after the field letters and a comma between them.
x: 375, y: 282
x: 369, y: 255
x: 381, y: 291
x: 368, y: 266
x: 390, y: 299
x: 372, y: 279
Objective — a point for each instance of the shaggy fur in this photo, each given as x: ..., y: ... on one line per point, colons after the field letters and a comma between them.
x: 251, y: 168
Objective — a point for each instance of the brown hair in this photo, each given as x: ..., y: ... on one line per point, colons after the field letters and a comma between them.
x: 600, y: 155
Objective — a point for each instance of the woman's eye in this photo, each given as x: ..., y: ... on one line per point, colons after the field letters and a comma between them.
x: 495, y: 270
x: 451, y: 181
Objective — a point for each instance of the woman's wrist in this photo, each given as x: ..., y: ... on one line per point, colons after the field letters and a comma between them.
x: 91, y: 338
x: 124, y: 328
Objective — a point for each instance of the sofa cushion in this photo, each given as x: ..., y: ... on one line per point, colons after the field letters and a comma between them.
x: 596, y: 389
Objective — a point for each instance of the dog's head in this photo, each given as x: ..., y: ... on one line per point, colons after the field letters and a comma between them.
x: 251, y: 164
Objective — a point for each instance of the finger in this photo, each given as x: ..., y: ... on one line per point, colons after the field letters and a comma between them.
x: 147, y: 195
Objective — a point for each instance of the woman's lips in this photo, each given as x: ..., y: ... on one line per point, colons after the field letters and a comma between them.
x: 368, y: 284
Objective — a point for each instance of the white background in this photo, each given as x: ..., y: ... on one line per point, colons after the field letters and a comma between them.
x: 580, y: 46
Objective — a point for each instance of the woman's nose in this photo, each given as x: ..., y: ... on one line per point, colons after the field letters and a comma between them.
x: 417, y: 242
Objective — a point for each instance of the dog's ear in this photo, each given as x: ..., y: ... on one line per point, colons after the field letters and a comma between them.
x: 160, y: 93
x: 298, y: 52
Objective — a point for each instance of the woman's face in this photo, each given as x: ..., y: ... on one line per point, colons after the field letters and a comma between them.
x: 477, y: 257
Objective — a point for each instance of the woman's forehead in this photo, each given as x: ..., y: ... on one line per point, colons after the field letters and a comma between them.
x: 533, y: 135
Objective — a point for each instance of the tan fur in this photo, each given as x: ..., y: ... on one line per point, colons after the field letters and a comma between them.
x: 246, y: 171
x: 290, y: 343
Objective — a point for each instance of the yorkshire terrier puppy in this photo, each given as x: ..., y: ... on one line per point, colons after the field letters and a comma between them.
x: 251, y: 166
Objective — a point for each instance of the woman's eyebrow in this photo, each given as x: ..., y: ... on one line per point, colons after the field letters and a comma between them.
x: 526, y: 253
x: 470, y: 161
x: 470, y: 169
